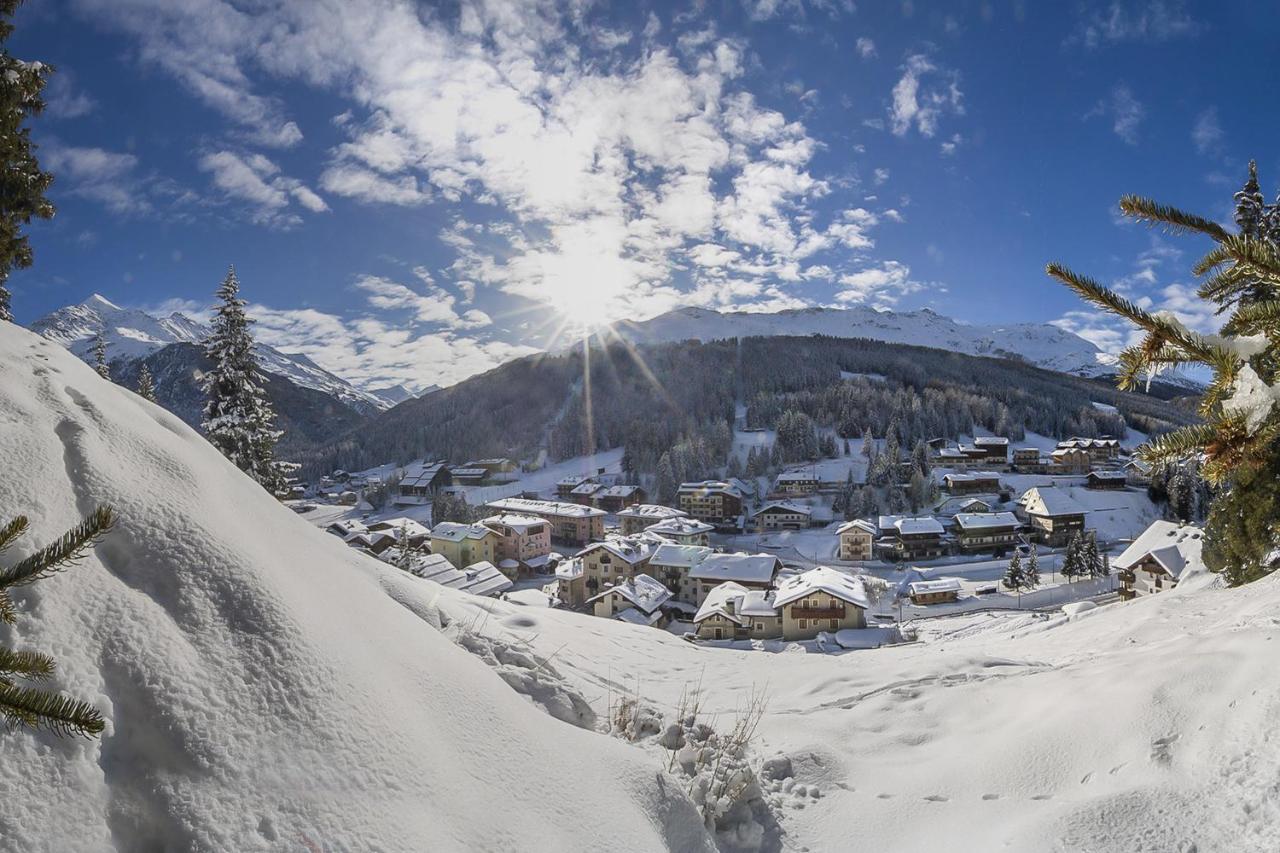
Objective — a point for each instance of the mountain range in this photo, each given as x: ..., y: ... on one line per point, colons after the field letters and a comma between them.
x: 1041, y: 344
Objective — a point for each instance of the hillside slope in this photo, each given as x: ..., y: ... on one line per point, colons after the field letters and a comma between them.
x: 265, y: 688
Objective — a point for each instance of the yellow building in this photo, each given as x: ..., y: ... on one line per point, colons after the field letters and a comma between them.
x: 464, y: 544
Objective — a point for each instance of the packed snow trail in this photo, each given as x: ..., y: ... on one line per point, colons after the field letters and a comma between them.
x: 265, y: 688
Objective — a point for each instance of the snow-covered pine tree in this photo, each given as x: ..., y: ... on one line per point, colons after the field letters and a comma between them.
x: 100, y: 358
x: 1071, y: 559
x: 146, y: 385
x: 1013, y: 576
x: 868, y: 445
x: 238, y: 418
x: 1031, y: 574
x: 1090, y: 559
x: 22, y: 182
x: 920, y: 458
x: 1239, y: 437
x: 1181, y: 494
x: 1251, y: 207
x: 33, y: 706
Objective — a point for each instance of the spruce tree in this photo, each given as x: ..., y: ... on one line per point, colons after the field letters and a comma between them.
x: 146, y: 385
x: 1071, y: 560
x: 100, y: 358
x: 1013, y: 576
x: 22, y: 182
x: 1251, y: 207
x: 1239, y: 435
x: 34, y: 706
x: 1090, y: 560
x: 1031, y: 575
x: 238, y: 419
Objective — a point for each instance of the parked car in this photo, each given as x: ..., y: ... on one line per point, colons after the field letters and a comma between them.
x: 989, y: 589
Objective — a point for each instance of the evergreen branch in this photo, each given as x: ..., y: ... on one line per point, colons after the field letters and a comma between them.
x: 62, y: 553
x: 1256, y: 316
x: 27, y: 664
x: 1262, y: 255
x: 36, y: 708
x: 1178, y: 221
x: 12, y: 531
x: 1179, y: 444
x: 8, y: 613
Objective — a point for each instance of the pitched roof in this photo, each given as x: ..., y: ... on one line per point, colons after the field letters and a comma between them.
x: 711, y: 487
x: 681, y: 526
x: 736, y: 603
x: 633, y: 549
x: 751, y: 568
x: 991, y: 441
x: 848, y: 588
x: 654, y: 511
x: 482, y: 578
x: 535, y: 507
x: 939, y: 585
x: 643, y: 591
x: 986, y: 520
x: 972, y: 476
x: 859, y: 523
x: 906, y: 526
x: 452, y: 531
x: 1050, y: 501
x: 782, y: 506
x: 680, y: 556
x: 517, y: 522
x: 1176, y: 547
x: 421, y: 474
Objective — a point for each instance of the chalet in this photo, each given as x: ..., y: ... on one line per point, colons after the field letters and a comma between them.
x: 672, y: 563
x: 797, y: 483
x: 617, y: 558
x: 524, y: 542
x: 954, y: 457
x: 478, y: 579
x: 375, y: 542
x: 746, y: 488
x: 345, y: 527
x: 637, y: 600
x: 1137, y: 472
x: 1026, y: 457
x: 1070, y: 460
x: 571, y: 583
x: 469, y: 476
x: 904, y: 538
x: 585, y: 493
x: 976, y: 482
x: 1052, y: 514
x: 615, y: 498
x: 566, y: 485
x: 937, y: 591
x: 637, y: 517
x: 754, y: 571
x: 733, y: 612
x: 495, y: 467
x: 421, y: 482
x: 1106, y: 480
x: 818, y: 600
x: 464, y: 544
x: 683, y: 531
x: 416, y: 532
x: 1098, y: 449
x: 974, y: 505
x: 995, y: 448
x: 857, y: 540
x: 987, y: 531
x: 712, y: 501
x: 571, y: 524
x: 779, y: 515
x: 1161, y: 556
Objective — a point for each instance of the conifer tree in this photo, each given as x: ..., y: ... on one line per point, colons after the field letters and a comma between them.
x: 1071, y: 559
x: 100, y: 358
x: 1090, y: 560
x: 1013, y: 576
x: 146, y: 385
x: 238, y: 419
x: 22, y: 182
x: 1031, y: 575
x: 34, y: 706
x: 665, y: 485
x: 1240, y: 434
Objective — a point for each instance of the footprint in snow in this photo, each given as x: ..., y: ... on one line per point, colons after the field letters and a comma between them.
x: 990, y: 796
x: 1086, y: 778
x: 936, y: 798
x: 1043, y: 797
x: 884, y: 796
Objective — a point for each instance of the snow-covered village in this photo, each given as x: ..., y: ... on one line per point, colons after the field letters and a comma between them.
x: 769, y: 426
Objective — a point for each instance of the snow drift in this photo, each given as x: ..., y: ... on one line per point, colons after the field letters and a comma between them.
x: 264, y: 687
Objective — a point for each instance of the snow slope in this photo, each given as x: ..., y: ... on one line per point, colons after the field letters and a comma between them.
x: 130, y: 334
x: 1142, y: 726
x: 265, y: 687
x: 1038, y: 343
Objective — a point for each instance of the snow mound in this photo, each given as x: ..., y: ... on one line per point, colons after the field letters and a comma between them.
x: 265, y: 688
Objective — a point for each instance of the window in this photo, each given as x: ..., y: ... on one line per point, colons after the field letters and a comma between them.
x: 804, y: 623
x: 834, y: 624
x: 759, y: 626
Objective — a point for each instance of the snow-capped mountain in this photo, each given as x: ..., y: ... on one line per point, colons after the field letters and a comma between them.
x: 129, y: 334
x: 1038, y: 343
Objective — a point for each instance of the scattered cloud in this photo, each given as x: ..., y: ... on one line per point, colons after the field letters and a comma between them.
x: 62, y: 100
x: 881, y: 285
x: 1140, y: 21
x: 922, y: 96
x: 1207, y: 132
x: 1124, y: 110
x: 866, y: 48
x: 433, y: 305
x: 107, y: 177
x: 255, y: 179
x: 949, y: 146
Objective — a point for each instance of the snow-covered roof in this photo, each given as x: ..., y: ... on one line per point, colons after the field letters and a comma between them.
x: 515, y: 521
x: 395, y: 525
x: 971, y: 477
x: 991, y: 441
x: 453, y: 531
x: 1050, y: 501
x: 544, y: 508
x: 843, y: 586
x: 635, y: 548
x: 681, y: 526
x: 569, y: 569
x: 482, y: 578
x: 346, y: 526
x: 653, y: 511
x: 469, y: 472
x: 1107, y: 475
x: 573, y: 480
x: 985, y: 520
x: 711, y: 487
x: 782, y: 506
x: 1139, y: 465
x: 906, y: 525
x: 680, y: 556
x: 1077, y: 441
x: 860, y: 524
x: 420, y: 474
x: 1176, y: 547
x: 968, y: 503
x: 618, y: 492
x: 586, y: 489
x: 635, y: 617
x: 736, y: 603
x: 643, y: 591
x: 750, y: 568
x: 934, y: 586
x: 797, y: 477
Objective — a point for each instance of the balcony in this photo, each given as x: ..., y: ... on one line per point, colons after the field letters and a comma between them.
x: 817, y: 613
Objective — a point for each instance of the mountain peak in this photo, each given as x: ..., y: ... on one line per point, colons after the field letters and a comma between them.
x: 97, y: 300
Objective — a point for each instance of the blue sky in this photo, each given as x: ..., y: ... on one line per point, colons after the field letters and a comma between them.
x: 416, y: 192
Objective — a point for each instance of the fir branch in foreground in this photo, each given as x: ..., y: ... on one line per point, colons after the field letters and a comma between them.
x: 12, y: 531
x: 61, y: 553
x: 41, y: 709
x: 1178, y: 221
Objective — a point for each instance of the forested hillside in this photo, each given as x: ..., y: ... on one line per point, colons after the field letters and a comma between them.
x: 653, y: 398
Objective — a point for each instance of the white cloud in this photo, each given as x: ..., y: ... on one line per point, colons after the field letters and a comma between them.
x: 1125, y: 111
x: 434, y: 305
x: 922, y: 96
x: 880, y: 176
x: 948, y: 148
x: 63, y: 100
x: 257, y: 180
x: 107, y: 177
x: 1139, y: 20
x: 881, y: 285
x: 866, y: 48
x: 1207, y: 133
